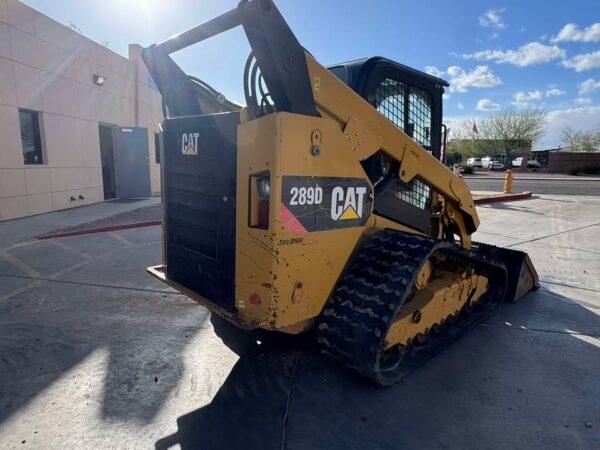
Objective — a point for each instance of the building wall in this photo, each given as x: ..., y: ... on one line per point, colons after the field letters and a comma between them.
x: 561, y: 162
x: 49, y: 68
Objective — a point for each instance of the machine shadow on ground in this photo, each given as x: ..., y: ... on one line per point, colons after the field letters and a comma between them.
x: 475, y: 394
x: 144, y: 359
x: 51, y: 327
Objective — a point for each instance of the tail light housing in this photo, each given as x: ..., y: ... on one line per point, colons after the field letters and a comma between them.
x: 260, y: 197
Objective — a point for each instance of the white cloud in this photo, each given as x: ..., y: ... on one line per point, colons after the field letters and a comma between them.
x: 446, y: 96
x: 432, y: 70
x: 485, y: 104
x: 481, y: 77
x: 522, y: 99
x: 526, y: 55
x: 585, y: 118
x: 492, y: 18
x: 460, y: 106
x: 570, y: 32
x: 554, y: 92
x: 585, y: 61
x: 583, y: 101
x: 589, y: 85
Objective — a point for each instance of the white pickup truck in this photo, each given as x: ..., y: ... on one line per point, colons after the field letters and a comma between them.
x: 531, y: 164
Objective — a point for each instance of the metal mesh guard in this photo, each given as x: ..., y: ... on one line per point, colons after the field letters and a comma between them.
x: 414, y: 192
x: 391, y: 99
x: 419, y: 114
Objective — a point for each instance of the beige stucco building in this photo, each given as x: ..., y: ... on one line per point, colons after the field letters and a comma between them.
x: 59, y: 94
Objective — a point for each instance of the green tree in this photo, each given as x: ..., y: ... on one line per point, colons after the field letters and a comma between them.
x: 511, y: 130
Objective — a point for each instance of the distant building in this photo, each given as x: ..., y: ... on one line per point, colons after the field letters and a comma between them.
x: 493, y: 148
x: 543, y: 155
x: 563, y: 160
x: 69, y: 107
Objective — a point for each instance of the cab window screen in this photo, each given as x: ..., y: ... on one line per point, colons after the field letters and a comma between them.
x: 407, y: 107
x: 415, y: 192
x: 390, y: 100
x: 419, y: 116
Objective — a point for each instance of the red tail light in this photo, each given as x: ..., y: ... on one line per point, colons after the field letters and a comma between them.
x: 260, y: 194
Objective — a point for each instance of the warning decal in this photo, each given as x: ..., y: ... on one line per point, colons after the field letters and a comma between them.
x: 324, y: 203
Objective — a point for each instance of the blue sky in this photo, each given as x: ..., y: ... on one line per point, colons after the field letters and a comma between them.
x: 501, y: 54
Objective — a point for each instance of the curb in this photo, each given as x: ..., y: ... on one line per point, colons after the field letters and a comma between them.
x: 503, y: 198
x: 99, y: 230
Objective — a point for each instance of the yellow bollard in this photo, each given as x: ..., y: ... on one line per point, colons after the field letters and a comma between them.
x: 508, y: 180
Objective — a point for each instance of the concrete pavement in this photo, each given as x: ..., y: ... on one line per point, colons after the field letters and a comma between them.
x: 94, y: 353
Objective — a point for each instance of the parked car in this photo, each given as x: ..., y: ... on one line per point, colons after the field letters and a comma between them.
x: 495, y: 165
x: 531, y: 164
x: 474, y: 162
x: 485, y: 162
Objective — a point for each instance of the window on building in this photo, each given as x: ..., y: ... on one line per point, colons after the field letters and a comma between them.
x: 30, y: 137
x: 157, y: 147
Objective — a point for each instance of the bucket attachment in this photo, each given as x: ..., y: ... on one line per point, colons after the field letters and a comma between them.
x: 521, y: 275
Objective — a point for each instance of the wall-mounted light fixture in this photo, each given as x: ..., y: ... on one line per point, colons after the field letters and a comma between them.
x: 99, y: 80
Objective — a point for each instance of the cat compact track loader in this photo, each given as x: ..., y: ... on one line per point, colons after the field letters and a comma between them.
x: 322, y: 204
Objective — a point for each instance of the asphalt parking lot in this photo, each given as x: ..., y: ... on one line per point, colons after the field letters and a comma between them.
x: 94, y: 353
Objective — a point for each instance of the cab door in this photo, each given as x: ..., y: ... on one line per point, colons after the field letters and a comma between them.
x: 409, y: 100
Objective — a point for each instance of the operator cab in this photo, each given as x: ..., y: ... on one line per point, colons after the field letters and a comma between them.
x: 409, y: 98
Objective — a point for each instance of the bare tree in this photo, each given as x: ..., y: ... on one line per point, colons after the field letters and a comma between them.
x: 581, y: 141
x: 510, y: 130
x: 501, y: 133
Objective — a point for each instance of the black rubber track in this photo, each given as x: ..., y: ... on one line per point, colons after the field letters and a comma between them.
x: 374, y: 288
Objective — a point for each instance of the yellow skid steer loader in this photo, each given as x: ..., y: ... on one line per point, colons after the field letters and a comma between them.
x: 322, y: 204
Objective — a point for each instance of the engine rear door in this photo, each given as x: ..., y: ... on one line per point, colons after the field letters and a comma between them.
x: 199, y: 186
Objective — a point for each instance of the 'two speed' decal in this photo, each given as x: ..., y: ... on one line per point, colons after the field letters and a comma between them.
x: 324, y: 203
